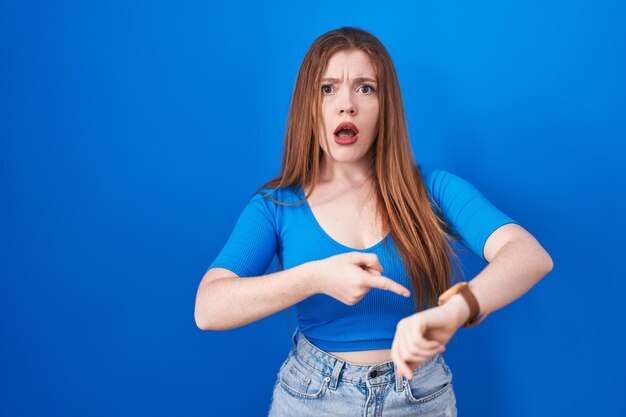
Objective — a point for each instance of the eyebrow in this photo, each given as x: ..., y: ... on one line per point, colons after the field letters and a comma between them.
x: 356, y: 80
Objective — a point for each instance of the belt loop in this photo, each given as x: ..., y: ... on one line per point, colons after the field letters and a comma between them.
x: 293, y: 336
x: 399, y: 379
x: 336, y: 370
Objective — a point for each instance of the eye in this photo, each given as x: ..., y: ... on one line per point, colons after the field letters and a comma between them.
x: 324, y: 86
x: 369, y: 86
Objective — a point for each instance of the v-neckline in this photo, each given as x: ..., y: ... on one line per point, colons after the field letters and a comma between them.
x: 308, y: 209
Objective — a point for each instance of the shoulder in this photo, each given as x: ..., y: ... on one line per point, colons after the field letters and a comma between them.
x: 438, y: 181
x: 434, y: 176
x: 447, y: 190
x: 270, y: 201
x: 271, y: 196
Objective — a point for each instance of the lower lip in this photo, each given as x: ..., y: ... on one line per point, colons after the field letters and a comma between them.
x: 349, y: 140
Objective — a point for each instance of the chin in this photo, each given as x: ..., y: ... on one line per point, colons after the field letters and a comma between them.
x: 347, y: 154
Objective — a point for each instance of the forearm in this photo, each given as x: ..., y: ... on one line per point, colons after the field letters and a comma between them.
x: 516, y: 268
x: 229, y: 303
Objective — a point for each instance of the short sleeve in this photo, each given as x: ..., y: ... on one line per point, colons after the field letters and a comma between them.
x: 252, y: 244
x: 467, y: 210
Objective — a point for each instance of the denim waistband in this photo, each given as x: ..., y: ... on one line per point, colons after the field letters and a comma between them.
x: 338, y: 369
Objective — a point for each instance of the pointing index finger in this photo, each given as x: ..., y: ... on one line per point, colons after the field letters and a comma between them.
x: 385, y: 283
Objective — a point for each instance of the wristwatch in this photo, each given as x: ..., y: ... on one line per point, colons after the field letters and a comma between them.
x: 463, y: 289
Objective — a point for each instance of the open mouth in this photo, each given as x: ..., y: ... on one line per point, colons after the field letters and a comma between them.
x: 346, y: 130
x: 346, y: 133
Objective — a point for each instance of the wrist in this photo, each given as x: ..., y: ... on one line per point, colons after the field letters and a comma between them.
x: 310, y: 278
x: 459, y: 307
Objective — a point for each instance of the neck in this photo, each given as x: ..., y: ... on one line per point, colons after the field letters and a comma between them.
x: 350, y: 173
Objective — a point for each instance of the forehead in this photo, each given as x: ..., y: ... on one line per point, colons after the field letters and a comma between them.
x: 353, y: 64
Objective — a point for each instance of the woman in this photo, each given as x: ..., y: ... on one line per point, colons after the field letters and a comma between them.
x: 362, y: 233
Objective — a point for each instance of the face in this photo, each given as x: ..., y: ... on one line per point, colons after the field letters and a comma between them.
x: 349, y: 94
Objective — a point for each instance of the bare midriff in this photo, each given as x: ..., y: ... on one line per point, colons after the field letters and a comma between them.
x: 365, y: 357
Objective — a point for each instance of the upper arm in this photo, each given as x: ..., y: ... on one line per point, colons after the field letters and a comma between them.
x: 252, y: 243
x: 471, y: 215
x: 501, y: 236
x: 509, y: 233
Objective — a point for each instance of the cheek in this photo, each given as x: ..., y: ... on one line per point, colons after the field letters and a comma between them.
x: 326, y: 118
x: 373, y: 108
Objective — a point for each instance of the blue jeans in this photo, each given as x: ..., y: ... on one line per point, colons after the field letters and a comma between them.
x: 312, y: 382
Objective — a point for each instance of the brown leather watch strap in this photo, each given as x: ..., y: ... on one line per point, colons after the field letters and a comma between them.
x: 463, y: 289
x: 473, y: 306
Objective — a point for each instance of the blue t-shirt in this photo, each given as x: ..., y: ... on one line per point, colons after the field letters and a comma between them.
x: 265, y: 229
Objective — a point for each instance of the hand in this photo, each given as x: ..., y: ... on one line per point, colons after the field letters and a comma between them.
x: 424, y: 334
x: 347, y: 277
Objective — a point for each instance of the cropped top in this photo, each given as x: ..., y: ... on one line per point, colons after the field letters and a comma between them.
x: 265, y: 229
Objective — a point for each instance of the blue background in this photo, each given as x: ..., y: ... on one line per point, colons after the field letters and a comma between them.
x: 132, y: 134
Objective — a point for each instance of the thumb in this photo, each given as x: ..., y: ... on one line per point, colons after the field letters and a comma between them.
x: 369, y: 260
x: 373, y: 271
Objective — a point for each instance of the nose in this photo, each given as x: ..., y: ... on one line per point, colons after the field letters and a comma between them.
x: 347, y: 109
x: 347, y: 105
